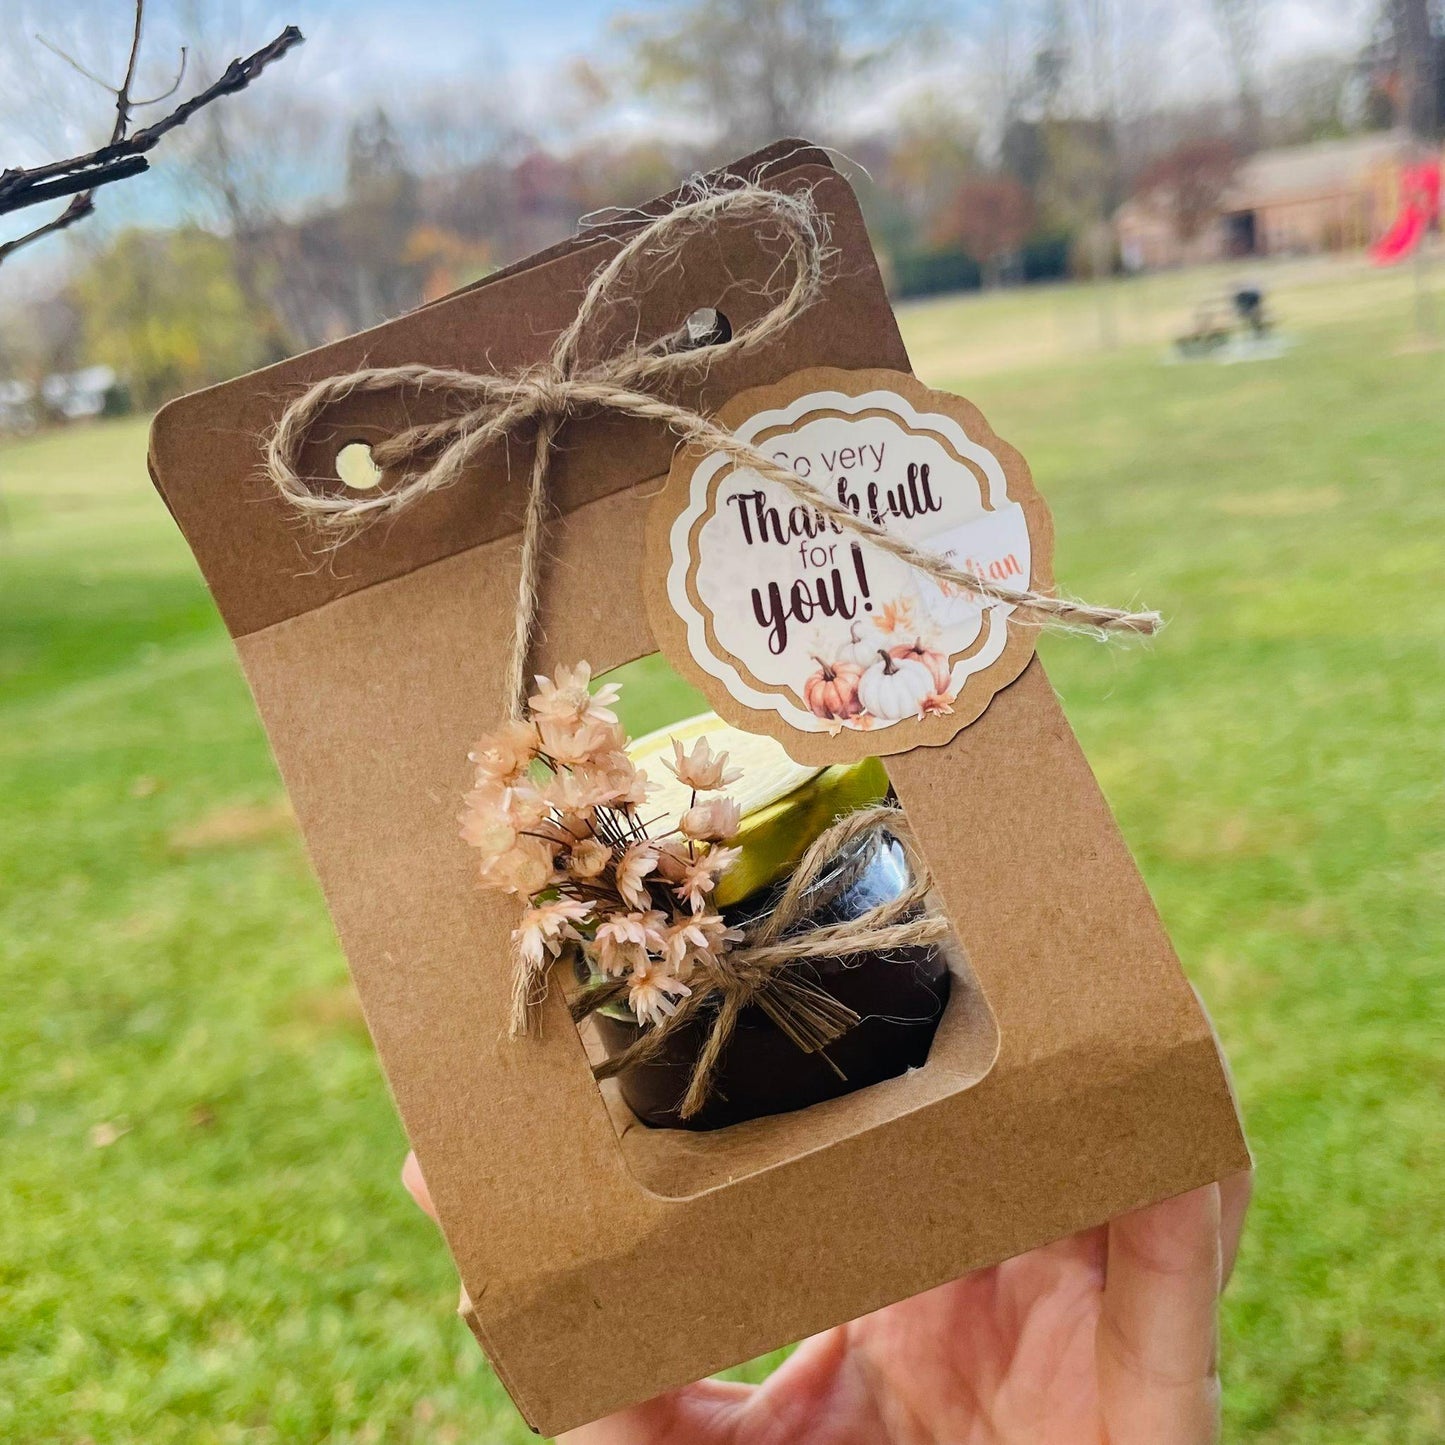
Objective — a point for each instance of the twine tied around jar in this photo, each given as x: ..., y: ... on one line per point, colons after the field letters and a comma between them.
x: 541, y: 399
x: 763, y: 969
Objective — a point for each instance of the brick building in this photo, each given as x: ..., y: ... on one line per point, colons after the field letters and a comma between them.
x: 1332, y: 195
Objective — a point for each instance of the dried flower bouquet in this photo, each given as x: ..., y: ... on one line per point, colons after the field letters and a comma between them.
x: 557, y: 812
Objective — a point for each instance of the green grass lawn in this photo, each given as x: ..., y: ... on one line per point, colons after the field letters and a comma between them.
x: 203, y: 1238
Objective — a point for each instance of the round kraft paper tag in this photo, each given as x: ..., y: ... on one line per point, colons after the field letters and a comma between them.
x: 795, y: 626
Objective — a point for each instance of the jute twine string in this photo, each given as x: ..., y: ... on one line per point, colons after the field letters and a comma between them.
x: 765, y: 968
x: 436, y: 455
x: 493, y: 408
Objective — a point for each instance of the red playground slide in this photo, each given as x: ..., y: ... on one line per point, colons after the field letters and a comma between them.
x: 1419, y: 205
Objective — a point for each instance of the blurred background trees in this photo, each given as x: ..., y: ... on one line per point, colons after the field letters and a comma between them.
x: 162, y: 308
x: 757, y: 69
x: 1004, y: 141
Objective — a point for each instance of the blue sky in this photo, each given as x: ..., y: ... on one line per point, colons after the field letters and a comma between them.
x: 394, y: 47
x: 453, y: 39
x: 389, y: 48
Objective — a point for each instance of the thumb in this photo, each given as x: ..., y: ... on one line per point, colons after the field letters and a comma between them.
x: 706, y: 1413
x: 1157, y: 1337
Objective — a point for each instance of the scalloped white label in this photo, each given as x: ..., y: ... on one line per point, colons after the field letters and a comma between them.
x: 795, y: 615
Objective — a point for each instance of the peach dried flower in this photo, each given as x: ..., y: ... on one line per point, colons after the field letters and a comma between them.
x: 623, y: 940
x: 652, y: 992
x: 569, y: 698
x: 686, y: 944
x: 485, y: 822
x: 578, y: 790
x: 701, y: 769
x: 524, y: 804
x: 589, y: 858
x: 571, y: 741
x: 674, y: 857
x: 526, y: 867
x: 700, y: 875
x: 711, y: 820
x: 505, y: 755
x: 493, y: 814
x: 547, y: 926
x: 717, y: 932
x: 697, y: 939
x: 629, y: 782
x: 608, y: 780
x: 636, y: 862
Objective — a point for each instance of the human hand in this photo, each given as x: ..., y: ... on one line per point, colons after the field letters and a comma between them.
x: 1107, y: 1338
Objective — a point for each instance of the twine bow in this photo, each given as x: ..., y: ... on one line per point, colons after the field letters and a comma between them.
x: 435, y: 455
x: 495, y: 407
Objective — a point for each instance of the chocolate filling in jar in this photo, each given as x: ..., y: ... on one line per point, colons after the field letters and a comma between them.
x: 899, y: 998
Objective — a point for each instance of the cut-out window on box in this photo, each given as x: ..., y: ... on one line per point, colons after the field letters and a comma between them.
x: 924, y: 1029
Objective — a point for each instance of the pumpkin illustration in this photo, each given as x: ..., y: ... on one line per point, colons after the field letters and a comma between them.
x: 857, y: 651
x: 832, y: 691
x: 936, y: 662
x: 895, y: 687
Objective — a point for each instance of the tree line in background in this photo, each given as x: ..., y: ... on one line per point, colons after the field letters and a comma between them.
x: 1008, y: 169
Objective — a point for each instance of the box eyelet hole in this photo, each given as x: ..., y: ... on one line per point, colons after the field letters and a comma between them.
x: 357, y: 468
x: 706, y: 326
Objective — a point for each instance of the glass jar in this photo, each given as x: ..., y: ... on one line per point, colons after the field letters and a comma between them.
x: 899, y: 997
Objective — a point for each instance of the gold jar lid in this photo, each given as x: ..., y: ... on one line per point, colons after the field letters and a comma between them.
x: 784, y: 804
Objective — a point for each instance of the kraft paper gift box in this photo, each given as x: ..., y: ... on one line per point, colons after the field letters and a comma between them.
x: 1074, y: 1075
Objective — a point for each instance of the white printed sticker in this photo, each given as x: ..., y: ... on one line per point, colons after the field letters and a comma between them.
x: 812, y: 630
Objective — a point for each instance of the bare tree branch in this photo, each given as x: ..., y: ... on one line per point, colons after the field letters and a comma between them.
x: 125, y: 154
x: 122, y: 94
x: 75, y: 65
x: 172, y: 88
x: 62, y: 186
x: 77, y: 210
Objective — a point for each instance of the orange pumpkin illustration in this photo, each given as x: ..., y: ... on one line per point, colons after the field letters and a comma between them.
x: 832, y: 691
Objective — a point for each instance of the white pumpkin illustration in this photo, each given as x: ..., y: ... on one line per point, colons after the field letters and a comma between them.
x: 860, y: 652
x: 895, y: 687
